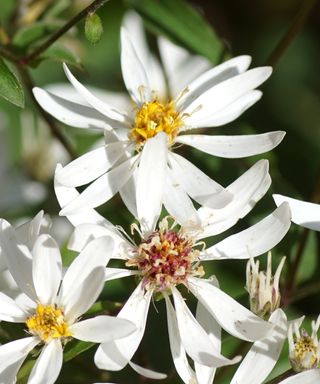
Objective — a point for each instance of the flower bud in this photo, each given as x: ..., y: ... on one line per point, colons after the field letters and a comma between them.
x: 93, y: 28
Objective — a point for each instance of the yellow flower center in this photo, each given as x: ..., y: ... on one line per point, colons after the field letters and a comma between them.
x: 154, y: 117
x: 305, y: 354
x: 48, y: 323
x: 166, y: 258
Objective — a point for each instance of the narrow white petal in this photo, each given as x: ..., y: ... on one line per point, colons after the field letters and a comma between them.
x: 83, y: 295
x: 233, y: 147
x: 105, y: 109
x: 28, y: 232
x: 197, y: 184
x: 177, y: 350
x: 10, y: 310
x: 101, y: 329
x: 150, y: 180
x: 311, y: 376
x: 46, y: 268
x: 91, y: 165
x: 264, y: 354
x: 48, y: 365
x: 247, y: 190
x: 67, y: 194
x: 14, y: 351
x: 303, y: 213
x: 232, y: 316
x: 96, y: 254
x: 213, y: 77
x: 150, y: 374
x: 128, y: 193
x: 18, y: 259
x: 194, y: 338
x: 118, y: 273
x: 133, y: 72
x: 225, y: 93
x: 102, y: 189
x: 255, y: 240
x: 115, y: 355
x: 69, y: 112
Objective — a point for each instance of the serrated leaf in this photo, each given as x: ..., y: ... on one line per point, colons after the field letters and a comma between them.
x: 60, y: 53
x: 75, y: 348
x: 10, y: 87
x: 29, y: 34
x: 182, y: 24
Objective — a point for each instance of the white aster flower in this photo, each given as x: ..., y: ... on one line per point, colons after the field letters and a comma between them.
x: 138, y: 159
x: 167, y: 257
x: 304, y: 213
x: 55, y: 303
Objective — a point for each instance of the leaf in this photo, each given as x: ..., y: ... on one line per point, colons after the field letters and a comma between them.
x: 10, y: 87
x: 59, y: 53
x: 182, y: 24
x: 105, y: 306
x: 29, y: 34
x: 75, y: 348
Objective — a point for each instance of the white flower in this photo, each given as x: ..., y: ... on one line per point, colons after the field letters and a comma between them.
x: 55, y: 303
x: 303, y: 213
x: 160, y: 273
x: 138, y: 159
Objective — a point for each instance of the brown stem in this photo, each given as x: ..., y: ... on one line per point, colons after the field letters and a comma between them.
x: 297, y: 24
x: 93, y: 7
x: 284, y: 375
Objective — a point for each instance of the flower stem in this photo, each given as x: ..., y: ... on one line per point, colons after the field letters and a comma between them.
x: 284, y: 375
x: 297, y: 24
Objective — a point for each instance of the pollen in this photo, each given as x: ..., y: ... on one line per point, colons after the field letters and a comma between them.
x: 48, y: 323
x: 166, y: 258
x: 305, y: 354
x: 154, y: 117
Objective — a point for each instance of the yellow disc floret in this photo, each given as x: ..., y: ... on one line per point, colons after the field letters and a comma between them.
x: 48, y: 323
x: 154, y: 117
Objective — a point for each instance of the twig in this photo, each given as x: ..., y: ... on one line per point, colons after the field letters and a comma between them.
x: 284, y: 375
x: 93, y: 7
x: 297, y: 24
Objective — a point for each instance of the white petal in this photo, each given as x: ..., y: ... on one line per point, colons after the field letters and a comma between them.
x: 133, y: 72
x: 67, y: 194
x: 96, y: 254
x: 48, y: 365
x: 232, y: 316
x: 303, y: 213
x: 213, y: 77
x: 177, y: 350
x: 197, y: 184
x: 102, y: 189
x: 105, y: 109
x: 225, y: 93
x: 118, y: 273
x: 28, y: 232
x: 255, y: 240
x: 115, y: 355
x: 178, y: 204
x: 264, y: 354
x: 83, y: 295
x: 46, y: 268
x: 233, y: 147
x: 69, y: 112
x: 194, y: 338
x: 128, y: 194
x: 247, y: 190
x: 102, y: 329
x: 18, y: 258
x: 91, y: 165
x: 147, y: 372
x: 14, y: 351
x: 150, y: 180
x: 311, y: 376
x: 10, y: 310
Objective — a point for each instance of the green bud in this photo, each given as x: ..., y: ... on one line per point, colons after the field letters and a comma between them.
x: 93, y: 28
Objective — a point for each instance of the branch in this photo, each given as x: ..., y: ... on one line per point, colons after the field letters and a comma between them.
x: 297, y: 24
x: 93, y: 7
x: 284, y: 375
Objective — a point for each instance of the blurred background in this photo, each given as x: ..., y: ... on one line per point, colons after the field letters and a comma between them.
x: 291, y: 102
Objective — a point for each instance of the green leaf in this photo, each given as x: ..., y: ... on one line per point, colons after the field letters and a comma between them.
x: 105, y: 306
x: 93, y: 28
x: 75, y: 348
x: 182, y: 24
x: 33, y: 33
x: 59, y: 53
x: 10, y: 87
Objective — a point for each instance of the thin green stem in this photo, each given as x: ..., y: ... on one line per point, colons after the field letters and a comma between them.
x: 93, y: 7
x: 286, y: 40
